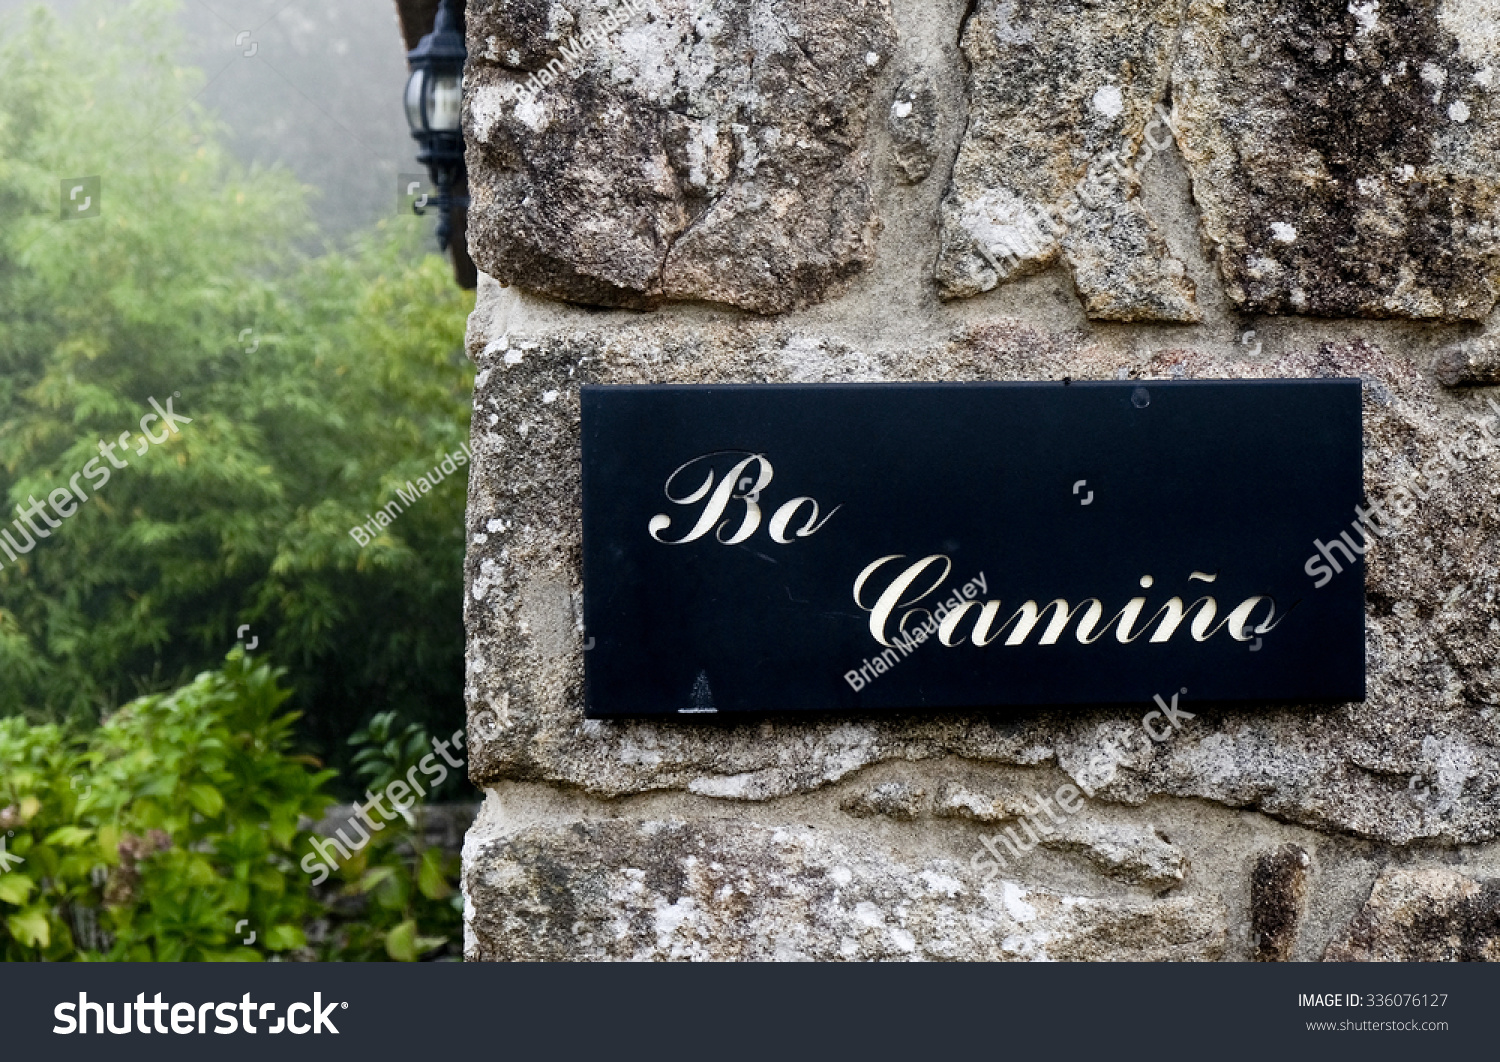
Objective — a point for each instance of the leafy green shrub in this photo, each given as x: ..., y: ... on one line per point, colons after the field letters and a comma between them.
x: 156, y: 835
x: 396, y: 873
x: 407, y: 896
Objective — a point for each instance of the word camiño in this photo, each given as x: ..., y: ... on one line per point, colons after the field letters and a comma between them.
x: 870, y: 670
x: 65, y: 500
x: 1028, y: 616
x: 398, y: 793
x: 370, y: 529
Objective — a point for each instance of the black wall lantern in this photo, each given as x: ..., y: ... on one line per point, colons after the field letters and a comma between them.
x: 434, y: 99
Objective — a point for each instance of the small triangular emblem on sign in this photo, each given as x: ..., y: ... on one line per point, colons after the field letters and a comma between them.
x: 703, y: 697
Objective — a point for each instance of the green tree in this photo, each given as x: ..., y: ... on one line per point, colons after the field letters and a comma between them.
x: 316, y: 385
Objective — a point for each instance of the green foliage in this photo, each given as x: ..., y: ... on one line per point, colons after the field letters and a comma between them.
x: 355, y: 383
x: 399, y: 885
x: 155, y: 836
x: 396, y: 875
x: 386, y: 753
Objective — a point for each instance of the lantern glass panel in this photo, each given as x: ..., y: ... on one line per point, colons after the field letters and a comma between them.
x: 444, y: 102
x: 414, y: 86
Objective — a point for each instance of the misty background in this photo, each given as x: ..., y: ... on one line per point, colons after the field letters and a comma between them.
x: 320, y: 94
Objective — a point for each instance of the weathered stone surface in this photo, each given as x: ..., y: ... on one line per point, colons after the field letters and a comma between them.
x: 1055, y: 90
x: 913, y: 123
x: 1131, y: 854
x: 709, y: 150
x: 827, y: 836
x: 895, y: 800
x: 957, y: 800
x: 1342, y: 154
x: 1135, y: 855
x: 1424, y: 915
x: 1420, y: 759
x: 711, y: 890
x: 1278, y: 900
x: 1472, y: 364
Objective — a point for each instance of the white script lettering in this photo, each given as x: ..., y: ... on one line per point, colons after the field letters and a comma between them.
x: 738, y: 485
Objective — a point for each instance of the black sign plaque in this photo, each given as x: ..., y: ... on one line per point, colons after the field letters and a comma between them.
x: 911, y: 547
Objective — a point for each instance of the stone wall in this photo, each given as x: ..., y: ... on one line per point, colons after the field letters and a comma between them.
x: 838, y: 190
